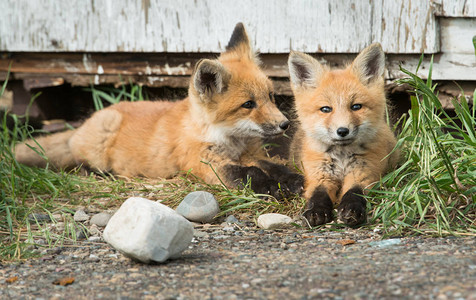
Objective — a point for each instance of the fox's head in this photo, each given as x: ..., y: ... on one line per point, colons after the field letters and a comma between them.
x: 233, y: 96
x: 340, y: 107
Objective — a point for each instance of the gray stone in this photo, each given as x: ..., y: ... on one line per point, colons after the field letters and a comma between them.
x: 228, y: 229
x: 40, y: 242
x: 148, y: 231
x: 58, y: 217
x: 100, y: 219
x: 40, y: 218
x: 59, y: 227
x: 199, y: 207
x: 80, y: 216
x: 199, y: 233
x: 94, y: 239
x: 81, y: 233
x: 94, y: 230
x: 231, y: 219
x: 273, y: 221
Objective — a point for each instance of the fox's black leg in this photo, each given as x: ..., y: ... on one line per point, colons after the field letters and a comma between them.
x: 352, y: 208
x: 319, y: 208
x: 290, y: 181
x: 261, y: 183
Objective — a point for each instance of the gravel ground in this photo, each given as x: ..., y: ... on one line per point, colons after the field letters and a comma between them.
x: 244, y: 262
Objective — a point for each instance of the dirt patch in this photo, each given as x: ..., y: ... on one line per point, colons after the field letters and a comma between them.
x: 244, y: 262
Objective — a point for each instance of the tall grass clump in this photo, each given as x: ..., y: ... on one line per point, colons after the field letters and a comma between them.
x: 23, y: 190
x: 434, y: 188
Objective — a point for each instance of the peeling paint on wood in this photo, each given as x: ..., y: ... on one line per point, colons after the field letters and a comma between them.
x: 445, y: 66
x: 457, y: 35
x: 325, y: 26
x: 455, y: 8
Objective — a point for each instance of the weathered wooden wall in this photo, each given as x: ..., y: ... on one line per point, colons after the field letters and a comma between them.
x: 325, y: 26
x: 157, y: 42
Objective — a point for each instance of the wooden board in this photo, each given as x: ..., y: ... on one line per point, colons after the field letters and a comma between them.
x: 457, y: 36
x: 174, y: 69
x: 182, y: 26
x: 455, y: 8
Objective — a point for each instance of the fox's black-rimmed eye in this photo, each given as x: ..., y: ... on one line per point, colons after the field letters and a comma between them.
x: 356, y: 106
x: 249, y: 104
x: 326, y: 109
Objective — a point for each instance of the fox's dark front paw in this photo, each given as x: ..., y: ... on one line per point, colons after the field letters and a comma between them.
x: 352, y: 209
x: 319, y: 209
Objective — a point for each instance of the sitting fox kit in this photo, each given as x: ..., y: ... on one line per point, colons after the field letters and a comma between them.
x: 343, y: 143
x: 229, y: 110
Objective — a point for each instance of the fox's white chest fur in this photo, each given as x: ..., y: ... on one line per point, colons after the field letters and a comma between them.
x: 342, y: 159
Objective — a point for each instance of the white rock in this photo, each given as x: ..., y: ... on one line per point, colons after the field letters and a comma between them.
x: 199, y: 207
x: 93, y: 257
x: 100, y: 219
x: 273, y: 221
x: 148, y: 231
x: 80, y: 216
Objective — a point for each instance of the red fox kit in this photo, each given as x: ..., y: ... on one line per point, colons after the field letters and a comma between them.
x: 343, y: 141
x: 229, y: 110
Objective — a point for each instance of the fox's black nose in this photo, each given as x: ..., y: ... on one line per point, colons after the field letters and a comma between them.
x: 342, y: 131
x: 284, y: 125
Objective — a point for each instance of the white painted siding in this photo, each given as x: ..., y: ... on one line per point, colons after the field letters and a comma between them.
x: 456, y: 8
x: 325, y: 26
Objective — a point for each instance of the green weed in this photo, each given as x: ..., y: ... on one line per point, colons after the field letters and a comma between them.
x: 434, y: 188
x: 113, y: 95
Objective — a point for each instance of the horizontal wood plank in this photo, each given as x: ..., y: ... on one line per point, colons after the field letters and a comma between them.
x: 159, y: 69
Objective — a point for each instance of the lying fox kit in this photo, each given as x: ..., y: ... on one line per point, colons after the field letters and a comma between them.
x: 343, y: 141
x: 229, y: 110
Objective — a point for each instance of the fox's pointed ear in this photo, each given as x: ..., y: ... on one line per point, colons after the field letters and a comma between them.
x: 239, y: 38
x: 210, y: 77
x: 239, y: 42
x: 304, y: 70
x: 369, y: 65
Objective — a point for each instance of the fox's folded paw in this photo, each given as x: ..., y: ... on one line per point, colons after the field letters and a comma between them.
x: 261, y: 183
x: 267, y: 186
x: 319, y: 209
x: 292, y: 183
x: 352, y: 208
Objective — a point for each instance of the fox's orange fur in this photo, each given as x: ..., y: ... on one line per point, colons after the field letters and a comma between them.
x: 344, y: 142
x: 229, y: 110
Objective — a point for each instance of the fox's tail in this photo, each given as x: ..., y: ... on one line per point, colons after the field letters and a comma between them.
x: 53, y: 149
